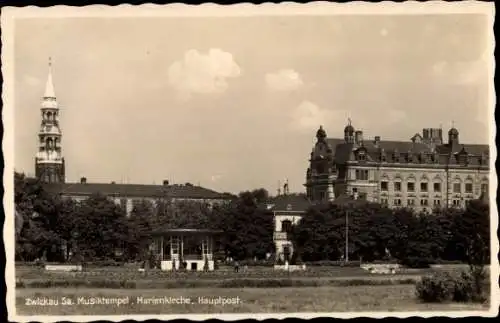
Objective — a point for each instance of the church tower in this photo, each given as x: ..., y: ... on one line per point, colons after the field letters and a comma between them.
x: 49, y: 163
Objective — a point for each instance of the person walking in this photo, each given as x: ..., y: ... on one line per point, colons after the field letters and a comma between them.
x: 236, y: 266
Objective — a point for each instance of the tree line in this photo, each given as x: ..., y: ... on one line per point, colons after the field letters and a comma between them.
x: 54, y: 228
x: 98, y: 229
x: 376, y: 232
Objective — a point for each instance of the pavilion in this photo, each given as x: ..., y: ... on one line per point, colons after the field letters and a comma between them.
x: 189, y: 248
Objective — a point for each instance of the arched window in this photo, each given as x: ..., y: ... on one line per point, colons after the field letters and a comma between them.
x: 469, y: 185
x: 437, y: 184
x: 410, y: 185
x: 398, y: 183
x: 424, y: 184
x: 457, y: 185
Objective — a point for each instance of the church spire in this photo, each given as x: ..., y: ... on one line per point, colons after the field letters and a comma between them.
x: 49, y: 163
x: 49, y: 86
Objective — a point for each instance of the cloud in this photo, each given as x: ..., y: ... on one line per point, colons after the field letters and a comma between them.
x: 307, y: 116
x: 284, y: 80
x: 203, y: 73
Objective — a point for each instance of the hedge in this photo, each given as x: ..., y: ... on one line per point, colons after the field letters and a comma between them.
x: 228, y: 283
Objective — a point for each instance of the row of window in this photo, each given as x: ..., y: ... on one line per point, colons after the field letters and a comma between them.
x: 423, y: 202
x: 424, y: 187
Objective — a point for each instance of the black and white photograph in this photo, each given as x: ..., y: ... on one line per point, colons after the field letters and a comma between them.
x: 250, y: 161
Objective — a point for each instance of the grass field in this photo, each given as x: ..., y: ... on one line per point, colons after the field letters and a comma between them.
x: 252, y: 300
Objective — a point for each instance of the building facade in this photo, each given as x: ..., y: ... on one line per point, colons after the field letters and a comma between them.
x: 50, y: 169
x: 423, y: 173
x: 287, y: 210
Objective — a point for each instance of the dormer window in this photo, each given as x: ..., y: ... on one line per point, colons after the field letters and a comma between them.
x: 395, y: 156
x: 361, y: 154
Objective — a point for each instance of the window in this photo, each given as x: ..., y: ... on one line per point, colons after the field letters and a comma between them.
x: 411, y: 202
x: 286, y: 226
x: 457, y: 188
x: 411, y: 187
x: 397, y: 186
x: 456, y: 202
x: 437, y: 187
x: 384, y: 201
x: 384, y: 186
x: 322, y: 195
x: 397, y: 201
x: 484, y: 188
x: 468, y: 187
x: 423, y: 187
x: 361, y: 156
x: 424, y: 202
x: 437, y: 202
x: 362, y: 174
x: 174, y: 243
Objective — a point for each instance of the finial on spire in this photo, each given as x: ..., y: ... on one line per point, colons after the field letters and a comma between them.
x: 453, y: 123
x: 349, y: 121
x: 49, y: 86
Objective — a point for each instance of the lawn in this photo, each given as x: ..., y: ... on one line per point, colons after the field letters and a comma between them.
x: 252, y: 300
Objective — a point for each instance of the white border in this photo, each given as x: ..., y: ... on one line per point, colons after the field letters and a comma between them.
x: 10, y: 14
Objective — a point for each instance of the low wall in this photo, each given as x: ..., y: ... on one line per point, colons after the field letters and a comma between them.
x: 63, y: 267
x: 381, y: 268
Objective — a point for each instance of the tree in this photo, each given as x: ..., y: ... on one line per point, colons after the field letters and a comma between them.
x: 100, y: 228
x: 248, y: 230
x: 141, y: 222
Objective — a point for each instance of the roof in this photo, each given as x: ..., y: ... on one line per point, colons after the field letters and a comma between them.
x: 134, y: 190
x: 293, y: 202
x: 397, y: 151
x: 185, y: 231
x: 345, y: 199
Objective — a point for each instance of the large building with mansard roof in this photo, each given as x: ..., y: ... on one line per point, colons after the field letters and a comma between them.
x: 50, y: 169
x: 422, y: 173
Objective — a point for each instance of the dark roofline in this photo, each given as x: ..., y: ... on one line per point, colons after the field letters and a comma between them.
x: 134, y: 190
x: 185, y: 231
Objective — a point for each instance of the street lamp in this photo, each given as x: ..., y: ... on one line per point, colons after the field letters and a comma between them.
x: 346, y: 256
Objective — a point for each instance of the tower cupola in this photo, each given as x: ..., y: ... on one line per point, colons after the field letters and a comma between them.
x: 321, y: 134
x: 453, y: 136
x: 349, y: 132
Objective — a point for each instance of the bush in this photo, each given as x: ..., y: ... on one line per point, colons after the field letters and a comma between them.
x: 416, y: 262
x: 251, y: 262
x: 469, y: 288
x: 436, y: 288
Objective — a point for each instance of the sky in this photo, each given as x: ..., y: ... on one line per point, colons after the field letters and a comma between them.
x: 233, y: 103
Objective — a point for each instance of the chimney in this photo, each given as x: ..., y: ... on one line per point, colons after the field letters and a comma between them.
x: 376, y: 141
x: 83, y: 180
x: 165, y: 182
x: 358, y: 137
x: 113, y: 182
